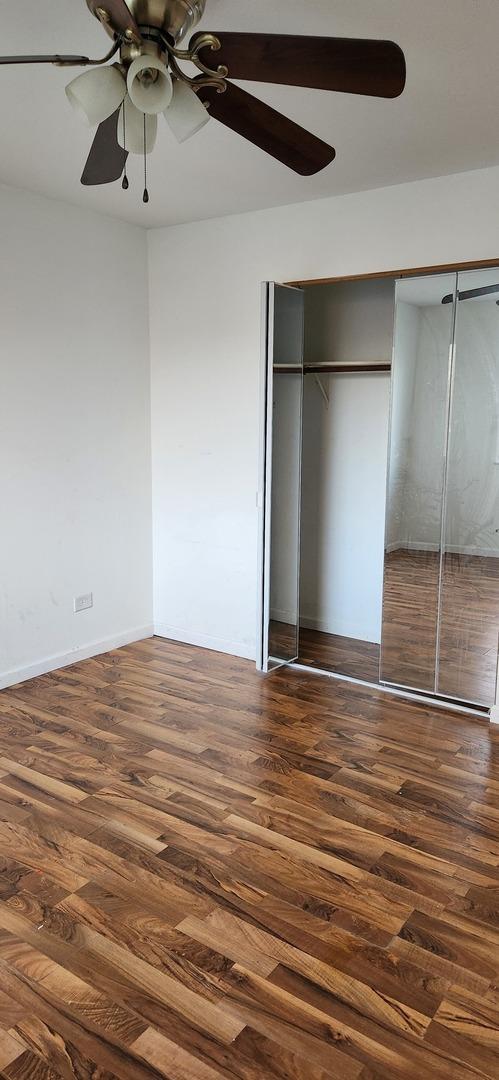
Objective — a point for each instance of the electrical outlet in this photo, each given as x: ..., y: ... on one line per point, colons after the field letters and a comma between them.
x: 83, y: 603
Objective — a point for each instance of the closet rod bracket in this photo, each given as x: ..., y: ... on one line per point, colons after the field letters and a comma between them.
x: 322, y: 389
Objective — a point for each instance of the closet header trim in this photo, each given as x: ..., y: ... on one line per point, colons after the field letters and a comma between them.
x: 413, y: 271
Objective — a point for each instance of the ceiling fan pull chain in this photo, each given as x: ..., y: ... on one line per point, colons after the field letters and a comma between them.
x: 145, y: 197
x: 125, y: 185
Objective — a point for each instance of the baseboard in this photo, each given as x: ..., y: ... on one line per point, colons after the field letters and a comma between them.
x: 81, y: 652
x: 283, y: 616
x: 205, y: 641
x: 494, y: 714
x: 411, y: 545
x: 338, y: 629
x: 452, y: 549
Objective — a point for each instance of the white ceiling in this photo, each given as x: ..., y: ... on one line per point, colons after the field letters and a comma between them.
x: 446, y: 121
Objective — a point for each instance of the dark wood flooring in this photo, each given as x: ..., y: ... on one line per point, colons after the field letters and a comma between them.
x: 469, y: 623
x: 206, y: 873
x: 332, y: 652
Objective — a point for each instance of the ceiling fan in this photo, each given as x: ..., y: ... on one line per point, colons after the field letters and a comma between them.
x: 148, y: 77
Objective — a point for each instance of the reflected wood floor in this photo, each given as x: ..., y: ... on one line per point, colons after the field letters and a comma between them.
x: 469, y: 623
x: 206, y: 873
x: 333, y: 652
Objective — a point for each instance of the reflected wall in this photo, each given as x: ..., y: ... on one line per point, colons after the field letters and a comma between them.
x: 469, y: 609
x: 416, y: 470
x: 441, y: 579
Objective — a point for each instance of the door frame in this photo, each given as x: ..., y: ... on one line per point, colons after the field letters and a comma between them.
x: 264, y: 493
x: 412, y: 271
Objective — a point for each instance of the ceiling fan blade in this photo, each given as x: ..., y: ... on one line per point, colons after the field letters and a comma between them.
x: 120, y: 19
x: 268, y: 129
x: 472, y: 294
x: 351, y: 65
x: 107, y: 158
x: 60, y: 59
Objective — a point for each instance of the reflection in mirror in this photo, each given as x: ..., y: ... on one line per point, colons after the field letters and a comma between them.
x: 286, y: 387
x: 469, y: 615
x: 420, y: 386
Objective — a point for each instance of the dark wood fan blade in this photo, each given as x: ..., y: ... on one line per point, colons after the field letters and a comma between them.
x: 484, y: 290
x: 472, y: 294
x: 351, y: 65
x: 107, y: 158
x: 268, y: 129
x: 120, y: 21
x: 57, y: 59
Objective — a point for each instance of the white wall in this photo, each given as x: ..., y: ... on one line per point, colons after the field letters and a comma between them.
x: 343, y: 520
x: 345, y: 459
x: 205, y: 347
x: 472, y: 524
x: 350, y: 322
x: 74, y: 434
x: 406, y: 341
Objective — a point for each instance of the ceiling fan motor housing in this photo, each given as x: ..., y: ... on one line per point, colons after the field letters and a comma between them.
x: 174, y: 18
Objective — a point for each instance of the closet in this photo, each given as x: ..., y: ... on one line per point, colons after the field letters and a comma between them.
x: 346, y: 397
x: 380, y: 471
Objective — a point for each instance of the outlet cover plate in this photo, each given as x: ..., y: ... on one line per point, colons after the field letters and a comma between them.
x: 83, y: 603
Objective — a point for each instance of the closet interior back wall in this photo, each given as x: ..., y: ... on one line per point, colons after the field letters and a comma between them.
x: 345, y: 462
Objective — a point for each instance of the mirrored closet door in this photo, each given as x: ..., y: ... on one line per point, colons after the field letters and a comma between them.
x: 469, y: 603
x: 416, y: 476
x: 441, y: 581
x: 283, y: 447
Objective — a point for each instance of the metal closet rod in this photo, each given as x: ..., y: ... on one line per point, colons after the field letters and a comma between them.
x: 325, y: 369
x: 317, y: 369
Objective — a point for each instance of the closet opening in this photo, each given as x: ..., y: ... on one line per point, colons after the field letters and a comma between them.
x: 348, y: 336
x: 380, y: 521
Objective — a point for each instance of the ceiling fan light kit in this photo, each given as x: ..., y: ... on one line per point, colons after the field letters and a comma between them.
x: 96, y: 94
x: 149, y: 84
x: 186, y: 115
x: 148, y: 34
x: 131, y: 125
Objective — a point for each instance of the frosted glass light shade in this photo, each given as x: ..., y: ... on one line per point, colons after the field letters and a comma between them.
x: 131, y: 133
x: 96, y: 94
x: 186, y: 115
x: 148, y: 95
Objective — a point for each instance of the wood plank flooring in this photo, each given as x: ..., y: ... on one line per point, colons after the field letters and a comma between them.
x: 206, y: 873
x: 469, y: 623
x: 334, y: 652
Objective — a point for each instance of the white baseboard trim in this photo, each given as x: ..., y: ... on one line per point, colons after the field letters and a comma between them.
x: 205, y: 641
x: 452, y: 549
x: 494, y: 714
x: 80, y: 652
x: 330, y: 627
x: 280, y: 615
x: 412, y: 545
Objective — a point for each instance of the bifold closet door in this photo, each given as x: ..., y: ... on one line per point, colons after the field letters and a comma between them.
x: 283, y: 340
x: 421, y: 380
x: 469, y: 597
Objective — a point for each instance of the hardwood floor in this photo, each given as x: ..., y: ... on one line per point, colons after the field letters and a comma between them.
x: 334, y: 652
x: 469, y: 623
x: 410, y: 613
x: 206, y: 873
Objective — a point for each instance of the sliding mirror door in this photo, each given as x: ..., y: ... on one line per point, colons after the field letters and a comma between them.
x: 469, y: 610
x: 284, y: 394
x: 416, y: 472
